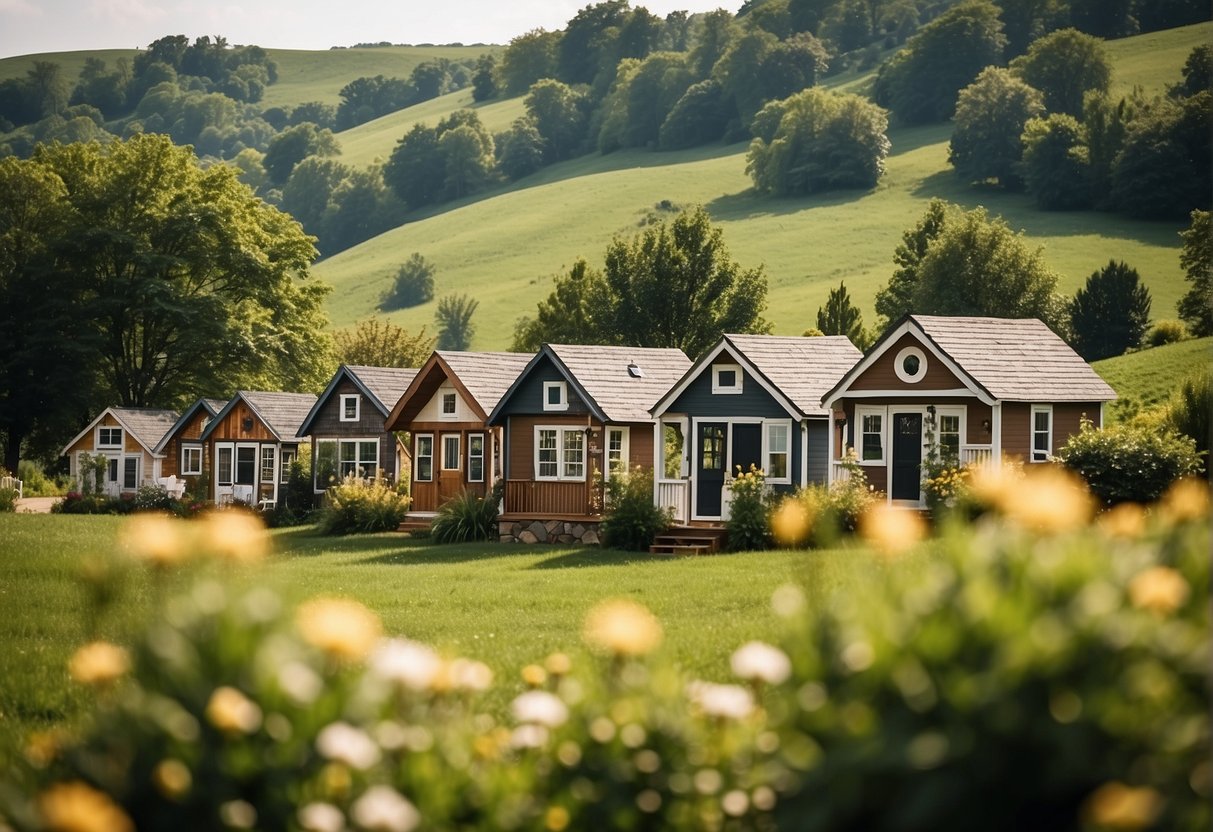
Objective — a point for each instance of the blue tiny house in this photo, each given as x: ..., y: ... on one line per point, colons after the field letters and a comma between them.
x: 750, y: 400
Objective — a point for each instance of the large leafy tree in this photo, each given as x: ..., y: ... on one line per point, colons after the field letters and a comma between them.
x: 570, y: 313
x: 897, y: 297
x: 1196, y: 307
x: 559, y: 114
x: 990, y: 117
x: 292, y: 146
x: 376, y: 343
x: 1065, y: 65
x: 1155, y: 172
x: 1056, y: 163
x: 1111, y: 313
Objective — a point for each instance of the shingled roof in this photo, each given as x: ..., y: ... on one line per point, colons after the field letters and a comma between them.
x: 387, y: 384
x: 803, y: 369
x: 147, y: 425
x: 212, y: 406
x: 486, y: 375
x: 282, y: 413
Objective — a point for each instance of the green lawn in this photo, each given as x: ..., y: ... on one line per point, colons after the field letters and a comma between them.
x: 1150, y: 376
x: 504, y: 605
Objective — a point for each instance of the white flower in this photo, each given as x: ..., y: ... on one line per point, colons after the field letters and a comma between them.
x: 726, y: 701
x: 406, y: 662
x: 344, y: 743
x: 383, y: 809
x: 300, y: 682
x: 321, y: 817
x: 529, y: 736
x: 467, y: 674
x: 758, y: 661
x: 540, y: 707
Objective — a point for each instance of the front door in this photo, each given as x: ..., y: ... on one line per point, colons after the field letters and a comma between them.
x: 709, y: 468
x: 450, y: 471
x: 907, y: 457
x: 747, y: 447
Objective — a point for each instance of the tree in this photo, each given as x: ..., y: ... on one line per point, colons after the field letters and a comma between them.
x: 467, y: 153
x: 1196, y: 259
x: 1104, y: 18
x: 1065, y: 65
x: 569, y: 315
x: 558, y: 113
x: 306, y: 195
x: 484, y: 82
x: 841, y: 317
x: 990, y: 117
x: 1153, y: 174
x: 413, y: 286
x: 653, y: 89
x: 897, y: 298
x: 588, y: 42
x: 454, y: 318
x: 415, y: 170
x: 1105, y: 125
x: 360, y: 207
x: 292, y: 146
x: 1197, y: 73
x: 699, y: 117
x: 824, y: 140
x: 528, y: 58
x: 376, y: 343
x: 920, y: 82
x: 520, y: 149
x: 1110, y: 314
x: 1056, y: 163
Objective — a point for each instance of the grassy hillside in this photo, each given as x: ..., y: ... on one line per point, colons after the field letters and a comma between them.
x: 1149, y: 377
x: 1149, y: 61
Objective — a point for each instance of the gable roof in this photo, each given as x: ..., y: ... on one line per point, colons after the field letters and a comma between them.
x: 1008, y: 359
x: 796, y: 370
x: 212, y: 406
x: 383, y: 386
x: 146, y: 425
x: 480, y: 377
x: 601, y: 377
x: 281, y: 413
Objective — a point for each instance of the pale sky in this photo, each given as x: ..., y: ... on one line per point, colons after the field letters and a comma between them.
x: 30, y: 26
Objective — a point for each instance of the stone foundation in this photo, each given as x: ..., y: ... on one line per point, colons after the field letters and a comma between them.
x: 548, y: 531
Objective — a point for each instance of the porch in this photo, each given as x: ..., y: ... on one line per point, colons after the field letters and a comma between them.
x: 971, y: 456
x: 552, y: 500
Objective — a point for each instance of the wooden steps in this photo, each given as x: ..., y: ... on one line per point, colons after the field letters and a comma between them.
x: 689, y: 540
x: 416, y: 525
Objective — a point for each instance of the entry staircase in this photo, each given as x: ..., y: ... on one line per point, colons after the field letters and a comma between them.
x: 417, y: 525
x: 689, y: 540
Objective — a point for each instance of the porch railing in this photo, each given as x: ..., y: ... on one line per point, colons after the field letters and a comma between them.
x: 675, y: 496
x: 976, y: 456
x: 838, y: 471
x: 541, y: 498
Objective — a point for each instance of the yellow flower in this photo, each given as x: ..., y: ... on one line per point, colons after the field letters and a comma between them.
x: 232, y: 712
x: 622, y: 627
x: 342, y: 628
x: 1049, y: 500
x: 1119, y: 806
x: 42, y: 747
x: 534, y: 675
x: 155, y: 538
x: 1187, y: 499
x: 890, y: 530
x: 1126, y: 520
x: 78, y: 807
x: 99, y: 664
x: 172, y: 779
x: 996, y: 486
x: 558, y: 664
x: 791, y: 522
x: 235, y: 535
x: 1160, y: 589
x: 556, y: 818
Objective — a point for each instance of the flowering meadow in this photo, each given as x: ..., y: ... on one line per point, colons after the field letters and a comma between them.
x: 1041, y: 667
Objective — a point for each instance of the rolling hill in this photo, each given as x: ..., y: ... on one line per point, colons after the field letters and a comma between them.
x: 1150, y: 376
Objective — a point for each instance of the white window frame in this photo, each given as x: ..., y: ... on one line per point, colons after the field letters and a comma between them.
x: 273, y: 469
x: 563, y: 403
x: 368, y: 470
x: 959, y: 414
x: 474, y: 456
x: 786, y: 424
x: 727, y: 390
x: 220, y: 447
x: 186, y: 469
x: 121, y: 443
x: 418, y: 456
x: 456, y: 456
x: 244, y: 446
x: 902, y: 373
x: 137, y: 473
x: 883, y: 413
x: 625, y: 449
x: 561, y: 463
x: 286, y: 456
x: 357, y: 400
x: 1048, y: 453
x: 442, y: 398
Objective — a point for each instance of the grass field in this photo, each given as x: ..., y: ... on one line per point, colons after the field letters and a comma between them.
x: 1149, y: 377
x: 504, y: 605
x: 502, y: 247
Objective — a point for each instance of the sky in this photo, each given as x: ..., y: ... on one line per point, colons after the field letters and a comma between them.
x: 31, y: 26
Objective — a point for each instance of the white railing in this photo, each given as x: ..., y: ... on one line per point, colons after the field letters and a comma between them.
x: 976, y: 456
x: 839, y: 472
x: 674, y: 495
x: 14, y: 484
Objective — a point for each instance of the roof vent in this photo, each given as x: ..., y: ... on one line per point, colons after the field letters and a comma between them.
x: 634, y: 370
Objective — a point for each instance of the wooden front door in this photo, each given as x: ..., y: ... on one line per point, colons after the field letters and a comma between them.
x: 709, y: 467
x: 907, y: 456
x: 450, y: 469
x: 425, y: 485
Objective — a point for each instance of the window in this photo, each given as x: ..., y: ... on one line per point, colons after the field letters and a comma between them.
x: 449, y: 405
x: 113, y: 469
x: 910, y: 365
x: 476, y: 457
x: 351, y: 405
x: 423, y: 458
x: 555, y: 395
x: 326, y: 463
x: 223, y: 464
x: 871, y: 436
x: 450, y: 452
x: 778, y: 452
x: 617, y: 450
x: 191, y: 460
x: 130, y: 472
x: 560, y: 453
x: 284, y: 469
x: 548, y: 466
x: 726, y: 378
x: 109, y: 437
x: 246, y: 465
x: 949, y: 435
x: 358, y: 458
x: 1042, y: 432
x: 269, y: 457
x: 574, y: 455
x: 712, y: 451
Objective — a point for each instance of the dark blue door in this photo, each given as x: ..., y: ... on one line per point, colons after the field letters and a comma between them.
x: 709, y: 467
x: 907, y: 456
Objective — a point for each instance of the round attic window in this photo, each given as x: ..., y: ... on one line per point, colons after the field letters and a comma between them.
x: 910, y: 365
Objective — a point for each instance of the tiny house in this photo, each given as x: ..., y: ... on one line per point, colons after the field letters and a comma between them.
x: 184, y: 453
x: 127, y: 437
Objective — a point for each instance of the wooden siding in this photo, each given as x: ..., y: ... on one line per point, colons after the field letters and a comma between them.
x: 431, y: 411
x: 231, y: 429
x: 882, y: 375
x: 328, y: 424
x: 191, y: 430
x: 1017, y: 425
x: 527, y: 498
x: 699, y: 401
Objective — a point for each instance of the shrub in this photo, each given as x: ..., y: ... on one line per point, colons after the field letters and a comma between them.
x: 74, y: 502
x: 8, y: 500
x: 829, y: 512
x: 1190, y: 410
x: 467, y: 517
x: 1166, y: 332
x: 153, y: 498
x: 632, y: 521
x: 1129, y: 462
x: 750, y: 509
x: 35, y: 482
x: 413, y: 286
x: 358, y: 506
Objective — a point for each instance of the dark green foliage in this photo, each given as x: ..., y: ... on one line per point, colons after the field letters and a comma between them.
x: 101, y: 88
x: 1105, y: 124
x: 897, y: 298
x: 1065, y: 66
x: 570, y: 313
x: 652, y: 90
x: 824, y: 140
x: 519, y: 149
x: 919, y: 84
x: 758, y: 67
x: 360, y: 207
x: 367, y: 98
x: 467, y: 153
x: 430, y: 164
x: 528, y: 58
x: 415, y: 170
x: 432, y: 78
x: 841, y: 317
x: 8, y: 500
x: 1129, y: 462
x: 467, y: 517
x: 484, y: 82
x: 990, y: 117
x: 559, y: 115
x: 318, y: 113
x: 1191, y: 411
x: 1056, y: 163
x: 414, y: 284
x: 632, y: 521
x: 1197, y: 73
x: 750, y: 506
x: 699, y: 117
x: 292, y: 146
x: 1153, y: 177
x: 153, y: 498
x: 1196, y: 259
x: 1153, y: 15
x: 1110, y: 314
x: 1104, y: 18
x: 75, y: 503
x: 454, y: 320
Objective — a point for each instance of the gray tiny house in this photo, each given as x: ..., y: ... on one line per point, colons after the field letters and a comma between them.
x: 750, y: 400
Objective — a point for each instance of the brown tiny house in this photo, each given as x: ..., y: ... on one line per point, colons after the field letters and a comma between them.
x: 185, y: 454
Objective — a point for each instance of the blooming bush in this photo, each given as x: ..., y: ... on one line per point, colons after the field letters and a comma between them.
x: 356, y: 506
x: 632, y: 521
x: 1129, y: 462
x: 749, y: 522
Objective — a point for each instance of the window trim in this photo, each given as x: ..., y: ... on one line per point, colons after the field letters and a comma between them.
x: 472, y: 456
x: 902, y: 373
x: 563, y: 404
x: 1032, y: 451
x: 723, y: 390
x: 458, y: 455
x: 220, y: 447
x: 357, y: 399
x: 857, y: 440
x: 317, y: 487
x: 185, y: 469
x: 625, y: 448
x: 273, y: 469
x: 561, y: 476
x: 121, y: 443
x: 126, y: 460
x: 286, y: 457
x: 767, y: 424
x: 442, y: 414
x: 418, y: 456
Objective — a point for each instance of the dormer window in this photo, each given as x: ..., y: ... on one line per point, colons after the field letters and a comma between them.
x: 109, y: 437
x: 726, y: 379
x: 449, y: 405
x: 555, y: 395
x: 351, y: 406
